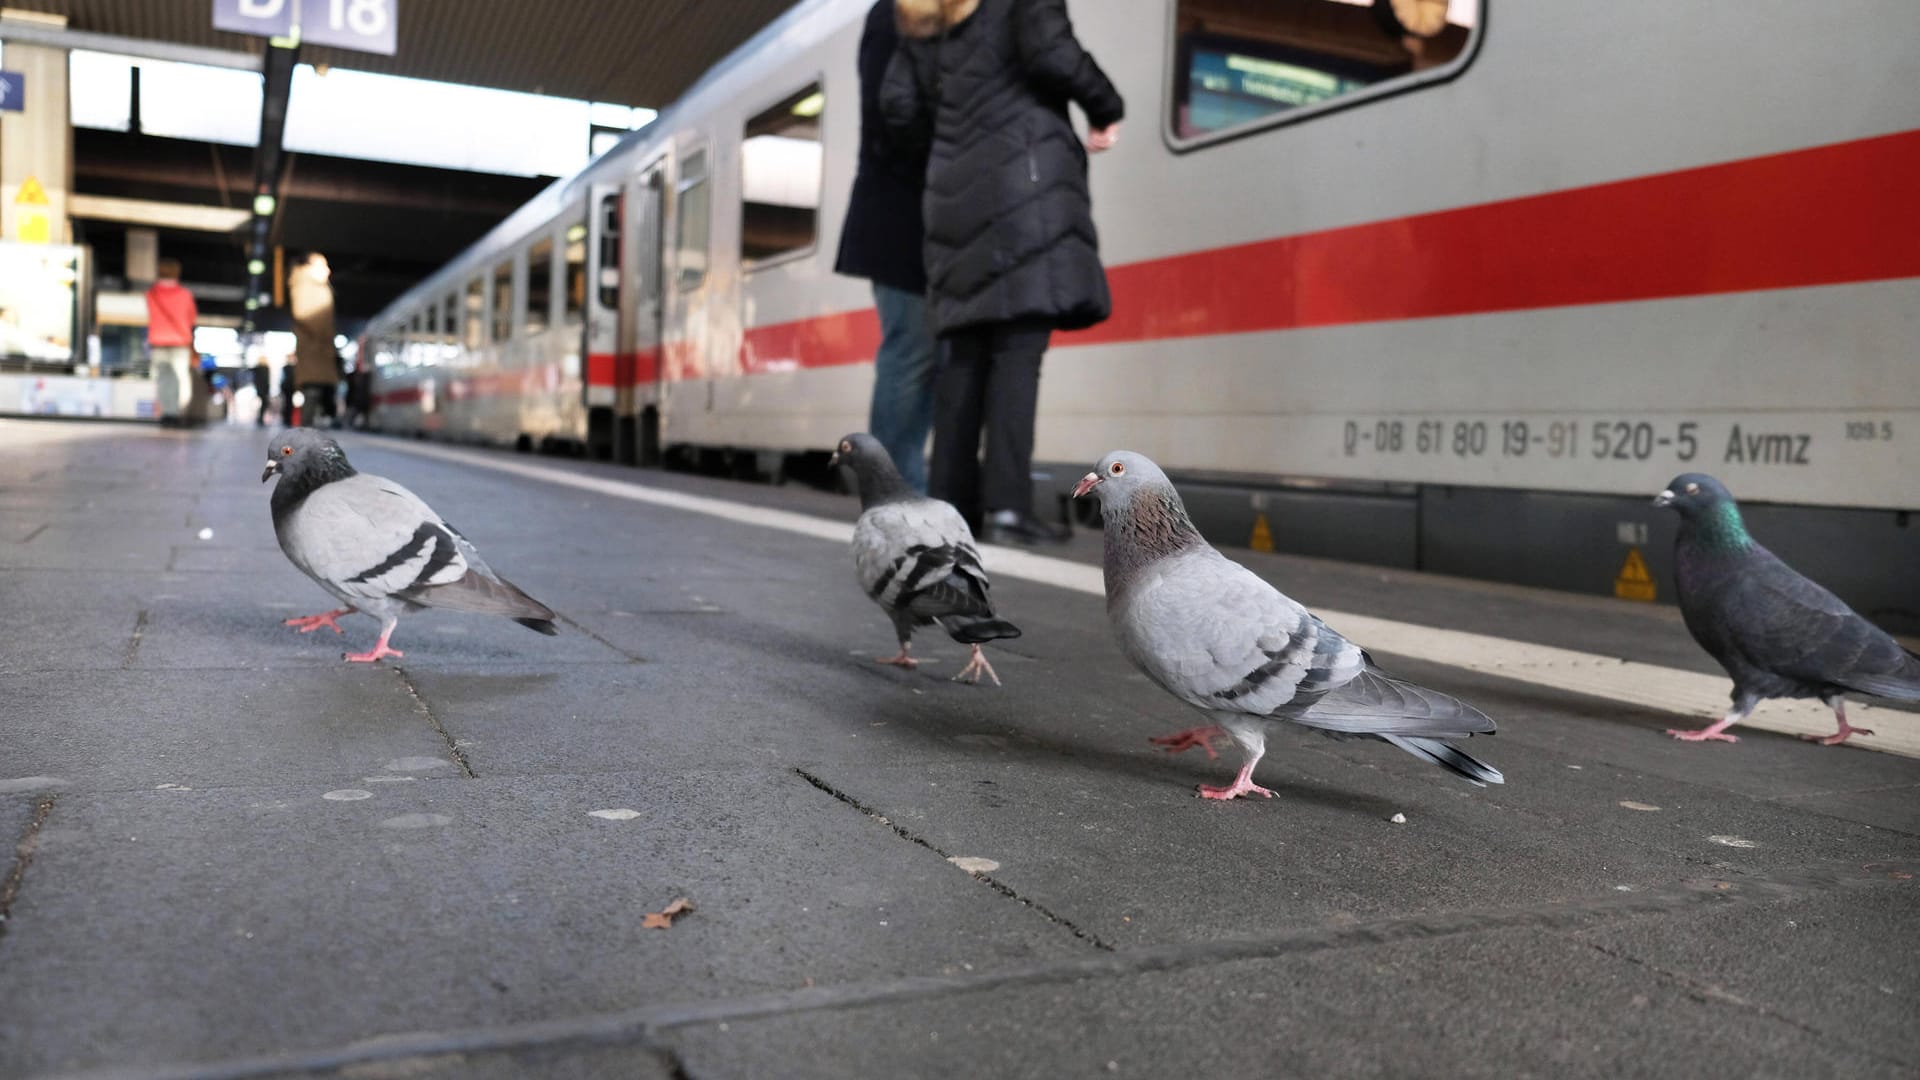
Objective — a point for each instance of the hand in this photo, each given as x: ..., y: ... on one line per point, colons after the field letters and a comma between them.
x: 1099, y: 139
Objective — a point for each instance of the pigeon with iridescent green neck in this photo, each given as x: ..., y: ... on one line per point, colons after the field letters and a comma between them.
x: 1778, y: 634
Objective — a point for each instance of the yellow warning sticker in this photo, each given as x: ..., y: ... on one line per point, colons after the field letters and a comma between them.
x: 1262, y: 538
x: 31, y: 193
x: 1634, y: 582
x: 33, y: 227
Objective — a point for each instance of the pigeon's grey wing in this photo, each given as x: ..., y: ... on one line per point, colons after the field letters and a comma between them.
x: 918, y: 557
x: 1219, y: 637
x: 1375, y: 703
x: 369, y: 538
x: 1783, y: 622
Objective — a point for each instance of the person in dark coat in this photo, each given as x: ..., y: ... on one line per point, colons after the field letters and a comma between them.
x: 1011, y: 252
x: 261, y: 390
x: 881, y: 241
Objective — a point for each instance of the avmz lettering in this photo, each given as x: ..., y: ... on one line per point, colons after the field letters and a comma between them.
x: 1767, y: 448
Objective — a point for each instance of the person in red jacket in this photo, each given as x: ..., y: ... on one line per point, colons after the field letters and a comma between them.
x: 171, y: 315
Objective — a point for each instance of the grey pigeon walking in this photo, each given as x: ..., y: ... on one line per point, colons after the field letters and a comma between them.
x: 1218, y: 637
x: 1777, y: 633
x: 915, y: 557
x: 376, y: 547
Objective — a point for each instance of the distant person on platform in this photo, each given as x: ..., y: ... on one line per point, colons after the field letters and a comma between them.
x: 316, y: 363
x: 262, y: 390
x: 881, y: 241
x: 171, y: 315
x: 1011, y: 252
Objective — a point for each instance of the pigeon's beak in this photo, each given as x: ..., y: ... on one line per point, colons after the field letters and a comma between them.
x: 1087, y: 483
x: 1665, y: 498
x: 834, y: 461
x: 272, y: 467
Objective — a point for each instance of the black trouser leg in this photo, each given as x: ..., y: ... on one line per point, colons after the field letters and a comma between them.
x: 959, y: 396
x: 1013, y: 395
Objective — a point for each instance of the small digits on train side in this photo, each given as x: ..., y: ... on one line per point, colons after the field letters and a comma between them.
x: 915, y: 558
x: 1778, y: 634
x: 376, y: 547
x: 1218, y: 637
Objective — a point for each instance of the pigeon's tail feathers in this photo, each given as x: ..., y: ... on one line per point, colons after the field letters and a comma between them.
x: 484, y: 595
x: 1449, y: 757
x: 974, y: 629
x: 544, y: 626
x: 1374, y: 703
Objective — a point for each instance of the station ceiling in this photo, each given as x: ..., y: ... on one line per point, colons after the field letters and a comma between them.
x: 630, y: 52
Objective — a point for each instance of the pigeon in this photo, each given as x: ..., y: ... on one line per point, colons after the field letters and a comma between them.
x: 376, y: 546
x: 1777, y: 633
x: 915, y: 557
x: 1218, y: 637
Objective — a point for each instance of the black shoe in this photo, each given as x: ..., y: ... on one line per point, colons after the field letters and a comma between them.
x: 1022, y: 529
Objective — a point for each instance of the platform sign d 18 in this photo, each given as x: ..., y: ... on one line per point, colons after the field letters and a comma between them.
x: 13, y: 91
x: 362, y: 25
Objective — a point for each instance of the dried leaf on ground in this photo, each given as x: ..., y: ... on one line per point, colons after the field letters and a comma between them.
x: 661, y: 920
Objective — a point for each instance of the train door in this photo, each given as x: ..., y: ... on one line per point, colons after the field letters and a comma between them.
x: 637, y: 424
x: 601, y: 386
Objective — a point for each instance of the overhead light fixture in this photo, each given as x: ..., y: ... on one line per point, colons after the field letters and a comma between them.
x: 263, y: 205
x: 252, y: 304
x: 576, y: 234
x: 810, y: 105
x: 256, y: 266
x: 166, y: 215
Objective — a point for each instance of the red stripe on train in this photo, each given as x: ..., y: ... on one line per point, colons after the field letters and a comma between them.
x: 623, y: 369
x: 1821, y: 216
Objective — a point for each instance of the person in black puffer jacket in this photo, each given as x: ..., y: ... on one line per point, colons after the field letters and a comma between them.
x: 1011, y: 253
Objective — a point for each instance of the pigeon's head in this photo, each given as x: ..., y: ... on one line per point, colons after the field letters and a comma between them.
x: 1118, y: 477
x: 1693, y: 494
x: 299, y: 452
x: 874, y: 473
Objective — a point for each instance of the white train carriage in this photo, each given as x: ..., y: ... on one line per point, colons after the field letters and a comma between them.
x: 1384, y: 272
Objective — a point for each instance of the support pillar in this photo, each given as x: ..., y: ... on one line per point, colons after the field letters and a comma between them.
x: 37, y: 145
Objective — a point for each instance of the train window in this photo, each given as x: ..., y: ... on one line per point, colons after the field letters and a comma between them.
x: 476, y: 314
x: 690, y: 226
x: 503, y: 301
x: 1243, y: 65
x: 430, y: 336
x: 450, y: 327
x: 539, y: 284
x: 610, y: 252
x: 780, y: 178
x: 576, y: 281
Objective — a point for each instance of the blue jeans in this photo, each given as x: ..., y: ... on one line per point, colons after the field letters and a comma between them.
x: 902, y: 412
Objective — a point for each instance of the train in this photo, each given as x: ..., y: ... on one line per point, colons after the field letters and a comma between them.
x: 1452, y: 285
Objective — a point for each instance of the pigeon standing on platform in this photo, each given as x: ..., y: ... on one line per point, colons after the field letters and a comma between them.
x: 1777, y: 633
x: 1218, y: 637
x: 374, y: 545
x: 915, y: 557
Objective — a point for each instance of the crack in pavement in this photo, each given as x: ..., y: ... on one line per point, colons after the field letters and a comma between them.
x: 645, y: 1026
x: 133, y: 646
x: 22, y: 857
x: 426, y: 710
x: 997, y: 886
x: 580, y: 629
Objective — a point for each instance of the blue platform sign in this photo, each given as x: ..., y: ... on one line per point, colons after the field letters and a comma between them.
x: 261, y: 18
x: 13, y: 92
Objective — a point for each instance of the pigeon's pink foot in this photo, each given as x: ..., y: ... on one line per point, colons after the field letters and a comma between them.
x: 976, y: 666
x: 1242, y: 785
x: 1703, y: 735
x: 903, y: 660
x: 1181, y: 741
x: 307, y: 624
x: 379, y: 649
x: 1838, y: 737
x: 376, y: 653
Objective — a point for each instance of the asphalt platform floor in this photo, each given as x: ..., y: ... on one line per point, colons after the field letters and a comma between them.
x: 225, y: 853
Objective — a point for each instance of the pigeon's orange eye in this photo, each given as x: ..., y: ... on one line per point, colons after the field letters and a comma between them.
x: 1117, y: 468
x: 1693, y: 489
x: 286, y: 451
x: 846, y: 448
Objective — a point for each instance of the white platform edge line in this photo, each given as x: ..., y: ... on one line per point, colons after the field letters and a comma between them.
x: 1683, y: 693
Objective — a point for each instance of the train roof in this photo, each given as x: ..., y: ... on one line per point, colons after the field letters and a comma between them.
x: 802, y: 27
